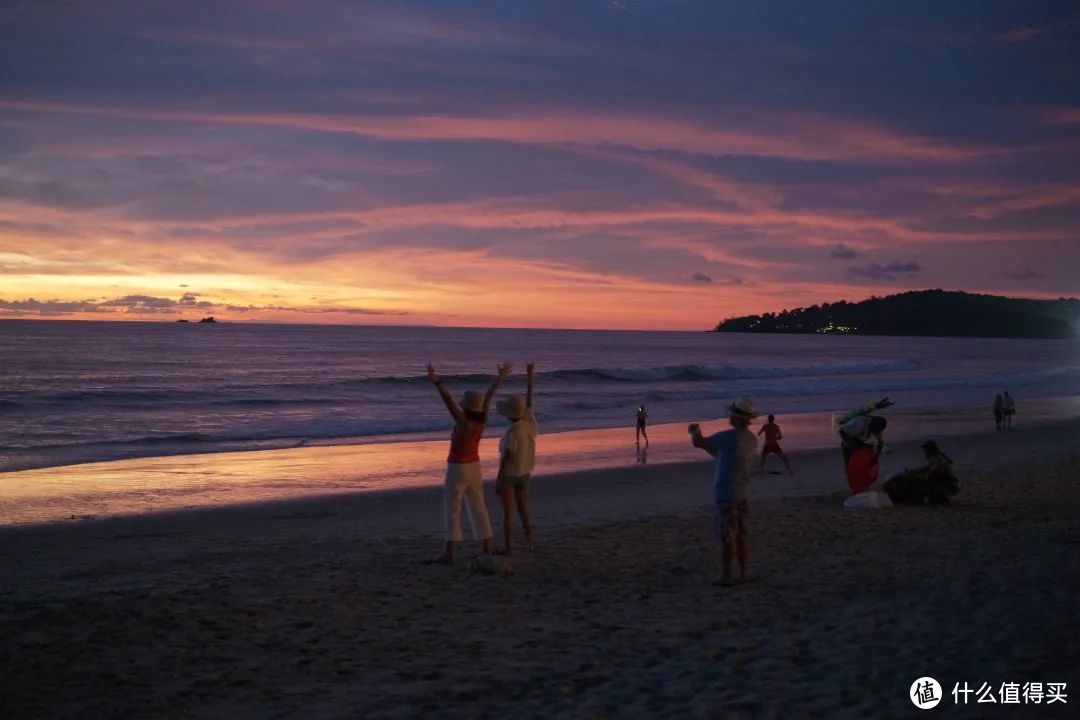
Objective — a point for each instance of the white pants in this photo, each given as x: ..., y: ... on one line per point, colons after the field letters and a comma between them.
x: 465, y: 481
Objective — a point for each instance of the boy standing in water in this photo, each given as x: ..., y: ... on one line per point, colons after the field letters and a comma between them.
x: 772, y: 444
x: 641, y: 421
x: 734, y: 452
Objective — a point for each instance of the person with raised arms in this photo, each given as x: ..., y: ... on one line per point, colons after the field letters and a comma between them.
x: 517, y: 460
x: 464, y: 478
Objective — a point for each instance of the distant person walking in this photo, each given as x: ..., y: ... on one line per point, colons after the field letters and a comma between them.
x: 772, y: 444
x: 862, y: 442
x: 464, y: 479
x: 1008, y: 409
x: 517, y: 460
x: 734, y: 451
x: 642, y: 421
x: 998, y: 410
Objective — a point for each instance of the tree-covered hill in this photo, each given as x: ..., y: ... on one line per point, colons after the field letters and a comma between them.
x: 924, y: 312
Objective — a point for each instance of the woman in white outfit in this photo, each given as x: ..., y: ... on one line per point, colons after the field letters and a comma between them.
x: 464, y: 480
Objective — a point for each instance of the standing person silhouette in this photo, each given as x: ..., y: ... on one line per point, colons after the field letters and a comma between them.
x: 517, y: 460
x: 1008, y: 409
x: 998, y: 410
x: 464, y: 479
x: 734, y: 451
x: 772, y: 444
x: 642, y: 421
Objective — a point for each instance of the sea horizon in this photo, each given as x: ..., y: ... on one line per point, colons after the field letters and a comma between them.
x: 123, y: 390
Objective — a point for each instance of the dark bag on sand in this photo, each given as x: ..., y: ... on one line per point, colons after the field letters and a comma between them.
x: 909, y: 487
x: 919, y: 487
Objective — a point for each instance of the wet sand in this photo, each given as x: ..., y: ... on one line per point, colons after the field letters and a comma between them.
x: 322, y: 608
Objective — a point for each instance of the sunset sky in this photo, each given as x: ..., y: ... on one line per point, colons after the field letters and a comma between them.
x: 565, y: 163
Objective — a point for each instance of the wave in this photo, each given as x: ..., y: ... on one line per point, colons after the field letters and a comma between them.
x: 156, y: 398
x: 336, y: 390
x: 304, y: 430
x: 677, y: 373
x: 1066, y: 378
x: 698, y: 373
x: 667, y: 373
x: 1002, y: 381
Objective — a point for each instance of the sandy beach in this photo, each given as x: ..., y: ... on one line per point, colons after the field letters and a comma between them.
x: 323, y: 607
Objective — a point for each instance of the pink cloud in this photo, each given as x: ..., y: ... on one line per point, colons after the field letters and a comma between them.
x: 802, y: 136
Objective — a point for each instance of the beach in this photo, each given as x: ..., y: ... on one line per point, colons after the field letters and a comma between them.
x: 322, y: 607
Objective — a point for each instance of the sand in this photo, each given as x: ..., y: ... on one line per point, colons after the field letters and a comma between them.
x: 322, y: 608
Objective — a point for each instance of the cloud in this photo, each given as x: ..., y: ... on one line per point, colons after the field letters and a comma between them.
x: 150, y: 305
x: 315, y: 310
x: 1020, y: 35
x: 794, y: 135
x: 377, y: 157
x: 142, y: 304
x: 840, y: 250
x: 140, y: 301
x: 1026, y: 274
x: 30, y: 306
x: 887, y: 271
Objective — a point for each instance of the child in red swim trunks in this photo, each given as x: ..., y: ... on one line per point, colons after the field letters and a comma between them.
x: 772, y: 444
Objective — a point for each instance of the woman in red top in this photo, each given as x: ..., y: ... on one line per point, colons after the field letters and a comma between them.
x: 464, y: 480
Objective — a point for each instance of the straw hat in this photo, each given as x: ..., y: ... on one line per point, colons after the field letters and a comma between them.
x: 743, y: 408
x: 472, y: 401
x: 512, y: 407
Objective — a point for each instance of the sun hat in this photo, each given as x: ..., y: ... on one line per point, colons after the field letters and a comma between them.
x: 743, y: 408
x: 472, y: 401
x: 512, y: 407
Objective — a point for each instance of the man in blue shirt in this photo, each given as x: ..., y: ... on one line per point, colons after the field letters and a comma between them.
x: 734, y: 451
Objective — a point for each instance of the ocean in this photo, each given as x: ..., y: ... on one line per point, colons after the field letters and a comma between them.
x: 73, y: 392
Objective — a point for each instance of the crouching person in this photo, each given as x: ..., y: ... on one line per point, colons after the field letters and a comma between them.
x: 935, y: 483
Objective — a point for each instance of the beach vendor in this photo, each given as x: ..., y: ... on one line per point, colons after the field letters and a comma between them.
x: 861, y: 443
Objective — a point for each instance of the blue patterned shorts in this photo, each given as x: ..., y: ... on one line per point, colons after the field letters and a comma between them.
x: 731, y: 520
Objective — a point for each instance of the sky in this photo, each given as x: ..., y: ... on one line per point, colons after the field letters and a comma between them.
x: 567, y: 163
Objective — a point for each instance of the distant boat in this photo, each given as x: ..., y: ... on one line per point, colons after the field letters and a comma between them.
x: 208, y: 320
x: 182, y: 320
